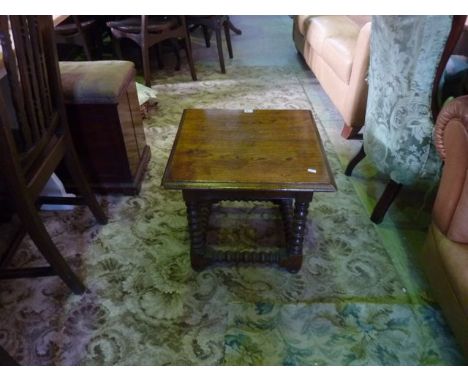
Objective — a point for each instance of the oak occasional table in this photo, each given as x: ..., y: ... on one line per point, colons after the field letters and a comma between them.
x: 262, y: 155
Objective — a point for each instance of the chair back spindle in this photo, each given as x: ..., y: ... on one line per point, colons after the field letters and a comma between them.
x: 29, y: 69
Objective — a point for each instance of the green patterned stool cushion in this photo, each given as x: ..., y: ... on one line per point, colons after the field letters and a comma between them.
x: 404, y: 55
x: 95, y: 82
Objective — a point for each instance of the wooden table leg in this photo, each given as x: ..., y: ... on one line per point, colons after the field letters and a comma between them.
x: 286, y: 208
x: 293, y: 261
x: 197, y: 216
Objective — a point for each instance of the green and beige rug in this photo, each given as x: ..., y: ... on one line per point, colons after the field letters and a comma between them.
x: 358, y: 300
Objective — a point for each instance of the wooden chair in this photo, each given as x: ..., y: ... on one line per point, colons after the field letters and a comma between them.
x: 148, y: 31
x: 80, y: 32
x: 34, y: 138
x: 215, y: 23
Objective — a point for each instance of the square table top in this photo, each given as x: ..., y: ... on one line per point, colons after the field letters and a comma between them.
x: 271, y: 150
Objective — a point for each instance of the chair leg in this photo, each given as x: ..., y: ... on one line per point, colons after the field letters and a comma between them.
x: 159, y: 55
x: 227, y: 33
x: 353, y: 162
x: 116, y: 47
x: 351, y: 133
x: 76, y: 172
x: 387, y: 198
x: 233, y: 28
x: 207, y: 35
x: 98, y: 44
x: 175, y: 47
x: 188, y: 52
x: 220, y: 50
x: 33, y: 225
x: 146, y: 65
x: 86, y: 49
x: 6, y: 359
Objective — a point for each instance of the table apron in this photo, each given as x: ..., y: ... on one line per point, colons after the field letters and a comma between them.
x: 247, y: 195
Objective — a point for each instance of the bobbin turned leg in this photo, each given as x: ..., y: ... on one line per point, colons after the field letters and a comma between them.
x: 293, y: 260
x: 197, y: 216
x: 287, y: 213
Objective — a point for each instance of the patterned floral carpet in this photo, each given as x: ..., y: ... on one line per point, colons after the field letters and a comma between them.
x: 358, y: 300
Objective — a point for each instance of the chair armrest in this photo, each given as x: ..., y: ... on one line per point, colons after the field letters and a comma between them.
x: 450, y: 211
x: 357, y: 93
x: 455, y: 110
x: 361, y: 54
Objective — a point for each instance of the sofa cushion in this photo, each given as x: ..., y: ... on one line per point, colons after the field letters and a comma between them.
x: 323, y: 27
x: 95, y: 81
x: 454, y: 257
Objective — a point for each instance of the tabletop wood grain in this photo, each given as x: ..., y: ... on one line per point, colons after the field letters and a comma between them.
x: 237, y: 149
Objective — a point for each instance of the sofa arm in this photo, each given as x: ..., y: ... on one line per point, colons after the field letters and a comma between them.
x: 455, y: 110
x: 357, y: 93
x: 361, y: 53
x: 450, y: 211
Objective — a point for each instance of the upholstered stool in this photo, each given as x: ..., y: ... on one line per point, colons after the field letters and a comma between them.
x: 105, y: 122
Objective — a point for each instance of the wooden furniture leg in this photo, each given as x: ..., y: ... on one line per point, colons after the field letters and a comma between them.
x: 293, y: 261
x: 220, y: 50
x: 287, y: 212
x: 76, y: 172
x: 146, y: 65
x: 175, y: 48
x: 117, y: 48
x: 35, y: 228
x: 197, y: 221
x: 6, y: 359
x: 233, y: 28
x: 206, y: 35
x: 388, y: 196
x: 228, y: 38
x: 159, y: 55
x: 351, y: 133
x: 353, y: 162
x: 188, y: 52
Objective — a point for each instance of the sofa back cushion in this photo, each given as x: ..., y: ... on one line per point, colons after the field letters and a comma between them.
x: 360, y: 20
x: 302, y: 23
x: 334, y: 39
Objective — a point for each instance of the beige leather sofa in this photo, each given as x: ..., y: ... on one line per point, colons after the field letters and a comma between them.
x: 445, y: 256
x: 336, y: 48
